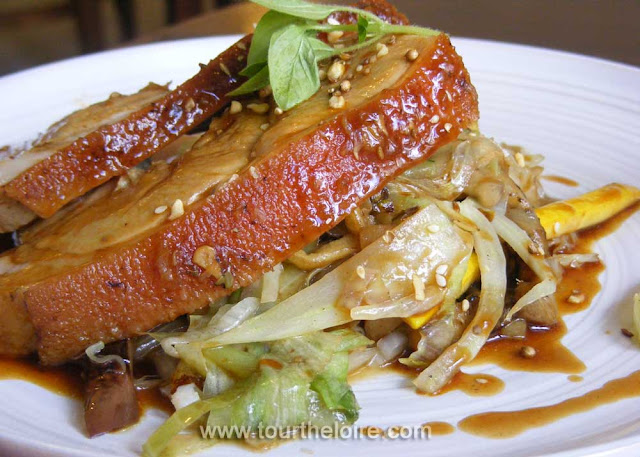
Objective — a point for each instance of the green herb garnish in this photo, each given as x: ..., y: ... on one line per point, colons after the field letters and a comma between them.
x: 285, y: 50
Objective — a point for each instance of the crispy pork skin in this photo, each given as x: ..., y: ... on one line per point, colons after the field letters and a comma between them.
x: 309, y: 169
x: 68, y: 168
x: 78, y: 124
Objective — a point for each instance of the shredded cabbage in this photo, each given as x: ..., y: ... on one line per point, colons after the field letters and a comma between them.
x: 492, y: 262
x: 520, y: 242
x: 320, y: 306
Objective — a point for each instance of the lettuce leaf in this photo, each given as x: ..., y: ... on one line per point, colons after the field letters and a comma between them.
x: 285, y: 384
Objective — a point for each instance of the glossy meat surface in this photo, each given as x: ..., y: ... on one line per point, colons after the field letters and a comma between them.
x: 70, y: 169
x: 311, y: 168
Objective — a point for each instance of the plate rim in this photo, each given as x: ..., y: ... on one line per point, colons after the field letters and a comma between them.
x: 604, y: 449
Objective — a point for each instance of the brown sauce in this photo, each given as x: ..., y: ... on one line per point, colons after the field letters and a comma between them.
x: 561, y: 180
x: 512, y: 423
x: 67, y: 381
x: 438, y: 428
x: 64, y: 380
x: 551, y: 355
x: 475, y: 385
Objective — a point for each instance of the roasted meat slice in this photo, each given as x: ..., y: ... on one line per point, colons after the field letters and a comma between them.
x: 310, y: 167
x: 62, y: 170
x: 117, y: 212
x: 59, y: 136
x: 123, y: 211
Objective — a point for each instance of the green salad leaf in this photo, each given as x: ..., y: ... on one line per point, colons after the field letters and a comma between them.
x: 285, y: 384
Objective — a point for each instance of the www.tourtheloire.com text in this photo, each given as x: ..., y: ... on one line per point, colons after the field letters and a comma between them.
x: 310, y: 431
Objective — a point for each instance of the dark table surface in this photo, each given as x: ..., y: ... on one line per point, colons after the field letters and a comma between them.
x: 602, y: 28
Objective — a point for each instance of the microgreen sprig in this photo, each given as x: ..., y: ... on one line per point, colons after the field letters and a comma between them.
x: 285, y: 50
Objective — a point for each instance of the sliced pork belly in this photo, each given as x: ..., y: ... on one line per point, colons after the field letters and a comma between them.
x: 309, y: 168
x: 93, y: 149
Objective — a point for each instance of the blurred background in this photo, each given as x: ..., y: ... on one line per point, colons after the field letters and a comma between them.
x: 33, y: 32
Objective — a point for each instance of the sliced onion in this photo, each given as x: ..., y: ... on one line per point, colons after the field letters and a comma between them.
x: 575, y: 260
x: 519, y: 241
x: 271, y: 284
x: 93, y: 355
x: 403, y: 307
x: 227, y: 318
x: 392, y: 345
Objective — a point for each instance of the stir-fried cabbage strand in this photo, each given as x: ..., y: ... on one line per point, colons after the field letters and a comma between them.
x: 493, y: 275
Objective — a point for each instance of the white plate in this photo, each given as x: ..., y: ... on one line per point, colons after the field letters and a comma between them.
x: 583, y: 114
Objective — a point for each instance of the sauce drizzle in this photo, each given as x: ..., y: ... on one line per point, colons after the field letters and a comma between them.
x: 512, y: 423
x: 438, y: 428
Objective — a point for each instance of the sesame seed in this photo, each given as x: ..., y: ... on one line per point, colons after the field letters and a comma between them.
x: 189, y: 105
x: 236, y: 107
x: 380, y: 152
x: 448, y: 95
x: 205, y: 258
x: 259, y: 108
x: 382, y: 49
x: 359, y: 68
x: 366, y: 71
x: 242, y: 46
x: 418, y: 287
x: 160, y: 209
x: 333, y: 21
x: 411, y: 55
x: 465, y: 305
x: 448, y: 127
x: 224, y: 68
x: 387, y: 237
x: 334, y: 36
x: 360, y: 272
x: 528, y: 352
x: 278, y: 111
x: 556, y: 227
x: 254, y: 172
x: 264, y: 126
x: 442, y: 269
x: 345, y: 56
x: 337, y: 102
x: 532, y: 248
x: 177, y: 209
x: 481, y: 380
x: 345, y: 86
x: 233, y: 177
x: 441, y: 281
x: 520, y: 159
x: 433, y: 228
x: 336, y: 71
x: 576, y: 298
x: 434, y: 119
